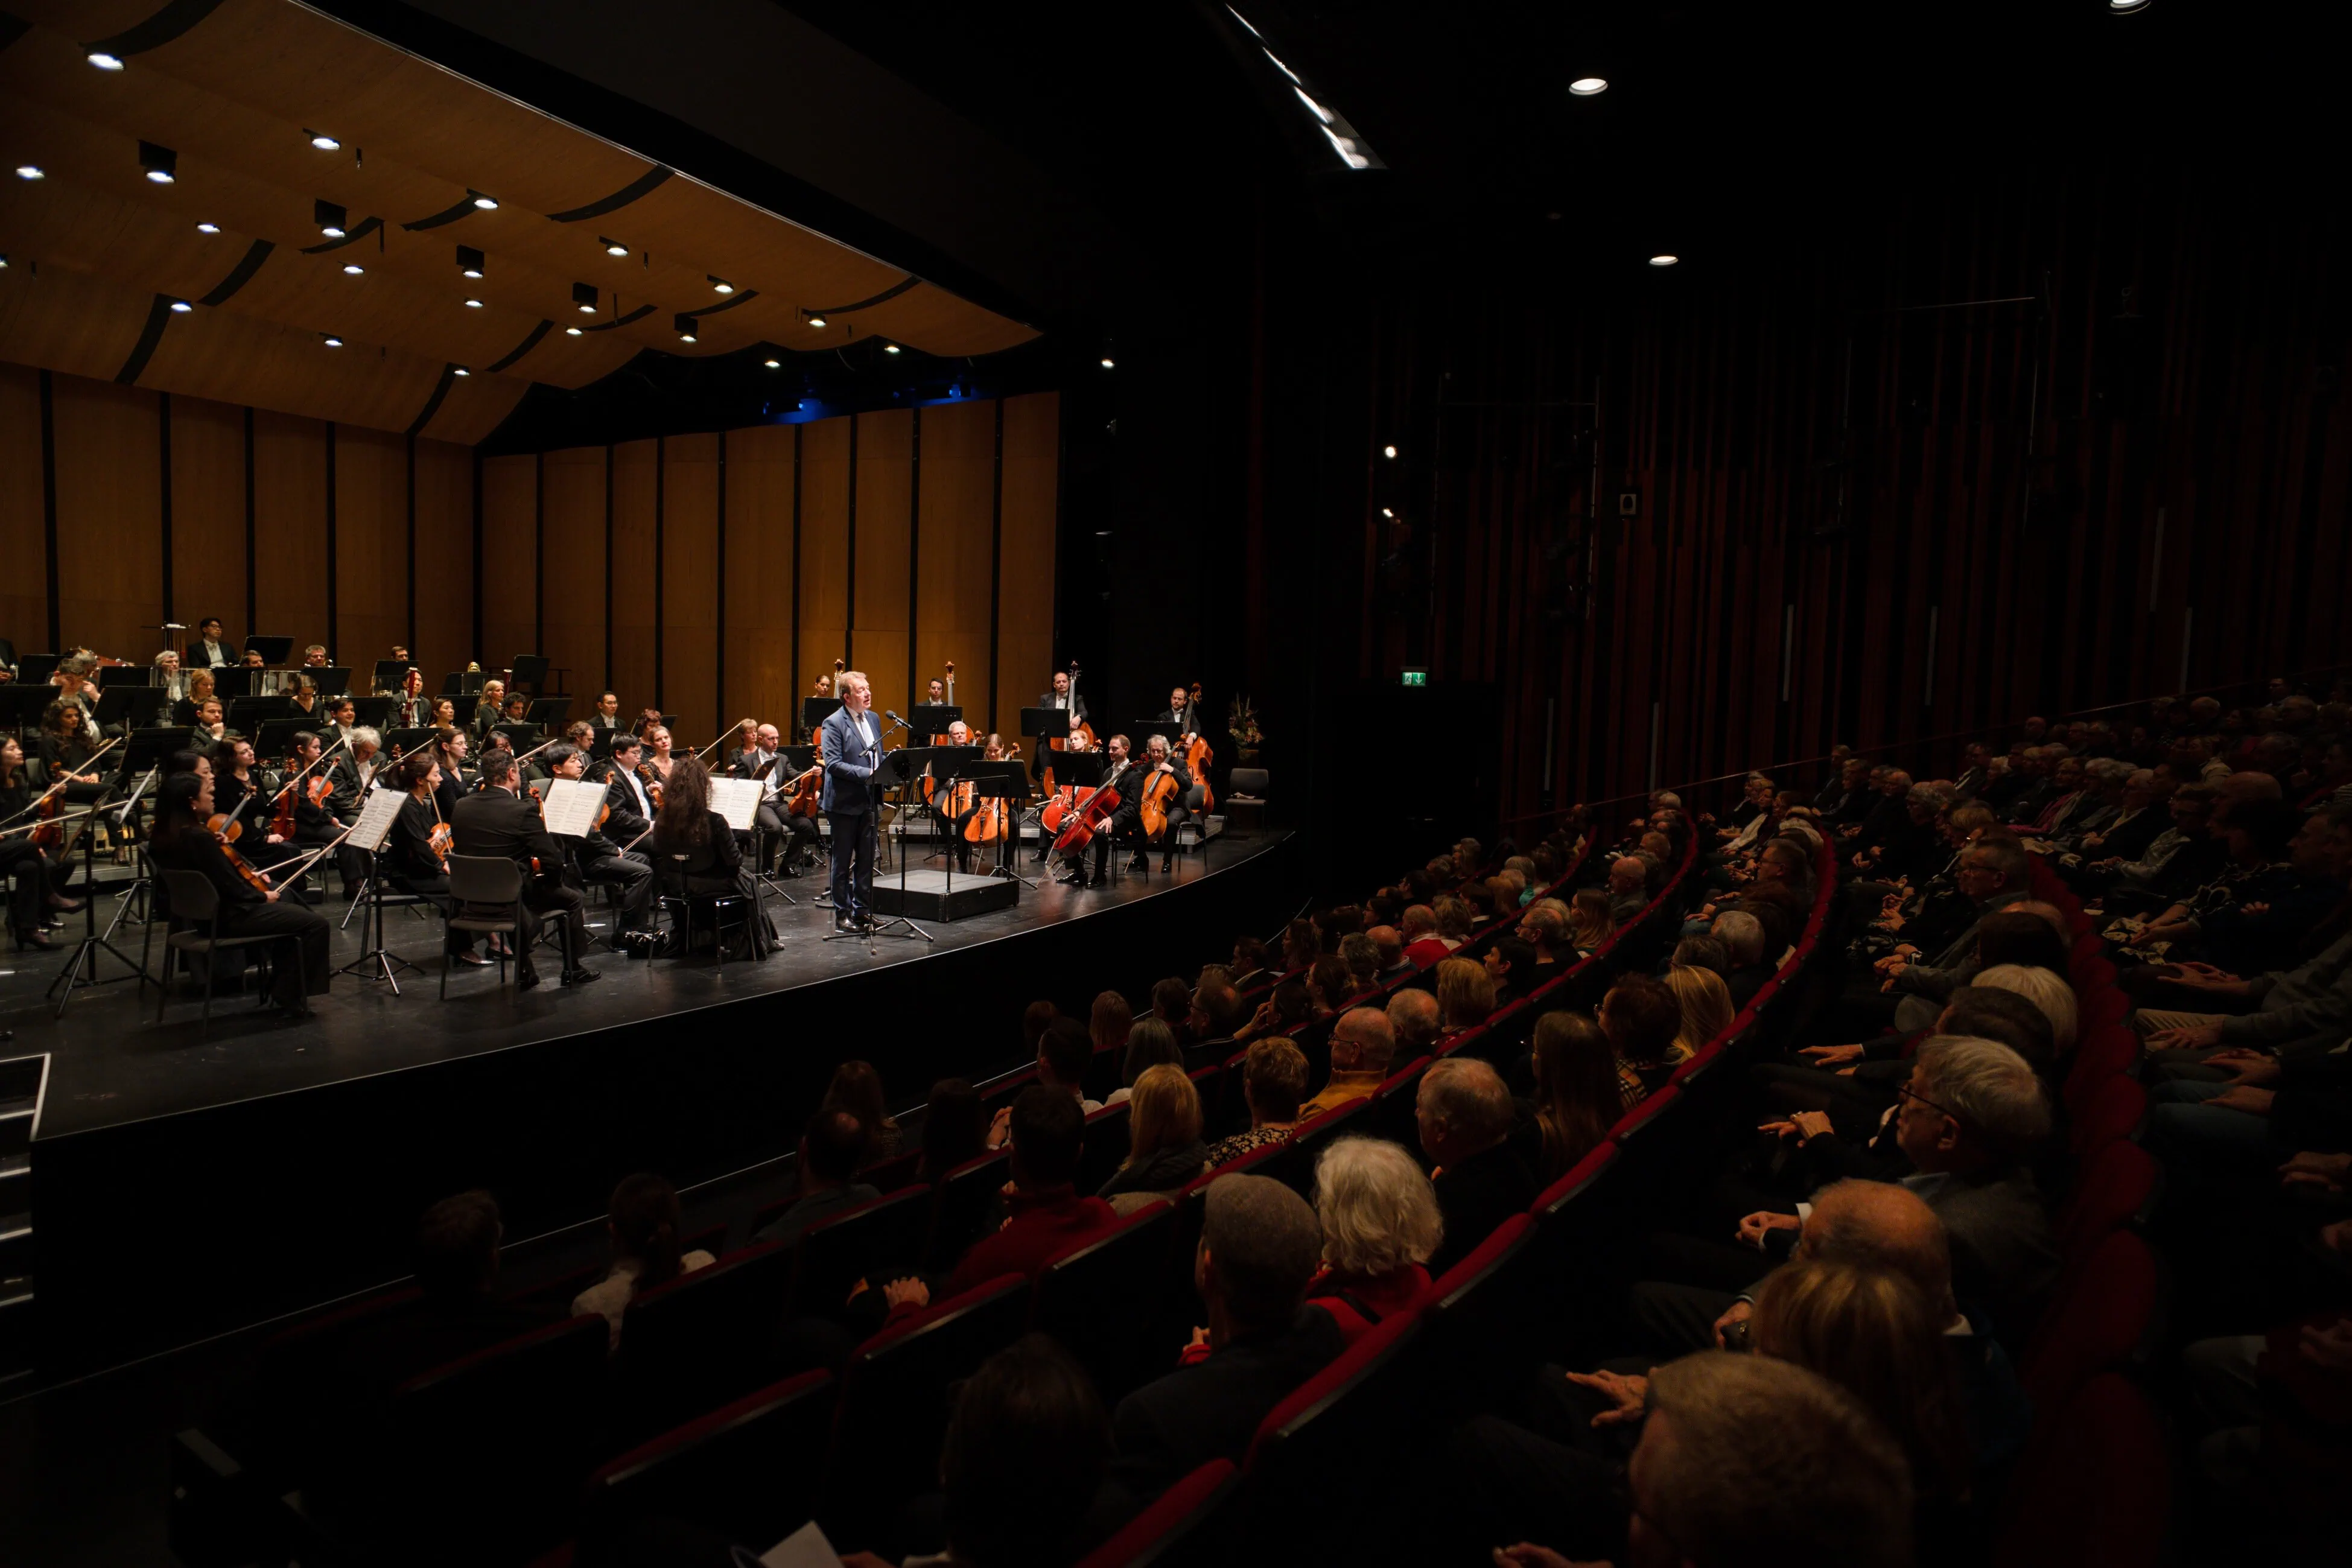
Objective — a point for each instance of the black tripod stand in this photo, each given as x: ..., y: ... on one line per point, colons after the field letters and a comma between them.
x: 377, y: 963
x: 85, y: 951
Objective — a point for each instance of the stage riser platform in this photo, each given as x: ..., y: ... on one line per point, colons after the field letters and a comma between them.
x: 159, y: 1230
x: 933, y: 895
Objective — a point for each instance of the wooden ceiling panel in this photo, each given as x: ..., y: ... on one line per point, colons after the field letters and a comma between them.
x: 237, y: 92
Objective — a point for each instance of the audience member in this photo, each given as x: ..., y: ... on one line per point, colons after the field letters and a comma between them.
x: 1063, y: 1052
x: 1381, y: 1227
x: 1273, y: 1082
x: 1150, y: 1043
x: 1577, y: 1098
x: 832, y: 1148
x: 642, y: 1225
x: 1414, y: 1026
x: 1705, y: 1005
x: 1465, y: 1115
x: 955, y: 1128
x: 1642, y: 1020
x: 1362, y: 1046
x: 1025, y: 1450
x: 1466, y: 995
x: 1165, y: 1151
x: 857, y: 1088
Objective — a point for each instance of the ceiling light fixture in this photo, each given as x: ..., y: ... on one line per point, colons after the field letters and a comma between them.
x: 2126, y: 7
x: 487, y: 204
x: 181, y: 308
x: 889, y: 347
x: 720, y: 285
x: 473, y: 305
x: 1386, y: 512
x: 814, y: 320
x: 584, y: 296
x: 472, y: 262
x: 774, y: 364
x: 460, y: 370
x: 332, y: 341
x: 162, y: 164
x: 103, y: 60
x: 1587, y: 86
x: 1664, y: 260
x: 208, y: 228
x: 352, y: 269
x: 330, y: 217
x: 1107, y: 364
x: 30, y: 172
x: 611, y: 247
x: 572, y: 331
x: 324, y: 143
x: 1388, y: 452
x: 685, y: 325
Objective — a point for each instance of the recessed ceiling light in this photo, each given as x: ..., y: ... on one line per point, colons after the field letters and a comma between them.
x: 330, y: 218
x: 572, y: 331
x: 774, y: 364
x: 4, y: 266
x: 324, y: 143
x: 2125, y: 7
x: 685, y: 325
x: 181, y: 308
x: 720, y: 285
x: 470, y: 261
x: 1663, y: 260
x: 473, y: 305
x: 889, y: 347
x: 611, y: 247
x: 487, y: 204
x: 104, y: 61
x: 1387, y: 512
x: 1586, y: 87
x: 814, y: 320
x: 333, y: 341
x: 583, y: 295
x: 1387, y: 451
x: 461, y: 370
x: 208, y: 228
x: 161, y: 163
x: 30, y: 172
x: 353, y: 268
x: 1109, y: 363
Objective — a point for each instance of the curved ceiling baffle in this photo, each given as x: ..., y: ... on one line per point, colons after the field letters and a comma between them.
x: 427, y: 163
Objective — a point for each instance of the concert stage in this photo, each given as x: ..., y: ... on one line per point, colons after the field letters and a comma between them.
x: 187, y: 1186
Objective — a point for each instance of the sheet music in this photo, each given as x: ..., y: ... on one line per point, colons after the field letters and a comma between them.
x: 377, y: 814
x: 572, y: 806
x: 737, y: 800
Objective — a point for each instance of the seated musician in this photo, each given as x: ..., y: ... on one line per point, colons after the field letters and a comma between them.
x: 956, y: 807
x: 449, y: 747
x: 211, y: 722
x: 626, y: 792
x: 194, y: 692
x: 489, y: 710
x: 734, y: 761
x: 20, y: 858
x: 67, y: 742
x: 414, y: 709
x: 342, y: 717
x: 305, y: 698
x: 314, y: 822
x: 517, y: 710
x: 658, y: 761
x: 181, y: 842
x: 314, y: 657
x: 582, y: 735
x: 600, y: 860
x: 694, y: 850
x: 239, y: 796
x: 1180, y: 719
x: 795, y: 839
x: 496, y: 823
x: 412, y: 860
x: 444, y: 712
x: 352, y: 774
x: 1116, y: 775
x: 608, y: 711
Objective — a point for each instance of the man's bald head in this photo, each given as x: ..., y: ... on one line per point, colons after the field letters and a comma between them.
x: 1413, y: 1021
x: 1388, y: 944
x: 1884, y: 1225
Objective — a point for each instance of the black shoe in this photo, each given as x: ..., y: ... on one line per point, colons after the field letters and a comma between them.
x: 581, y: 976
x: 527, y: 982
x: 64, y: 905
x: 1139, y: 863
x: 299, y: 1013
x: 33, y: 942
x: 1166, y: 865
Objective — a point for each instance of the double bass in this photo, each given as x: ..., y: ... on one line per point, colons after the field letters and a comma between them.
x: 1197, y: 755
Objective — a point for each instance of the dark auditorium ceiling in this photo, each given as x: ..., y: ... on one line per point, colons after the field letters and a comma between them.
x: 98, y: 253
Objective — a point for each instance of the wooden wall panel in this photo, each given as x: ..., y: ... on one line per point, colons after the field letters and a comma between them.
x: 289, y: 527
x: 760, y: 590
x: 208, y: 552
x: 885, y: 520
x: 509, y: 561
x: 690, y: 588
x: 825, y: 547
x: 371, y: 547
x: 952, y: 557
x: 1026, y: 656
x: 445, y: 560
x: 110, y: 516
x: 574, y: 585
x: 634, y: 473
x: 23, y: 543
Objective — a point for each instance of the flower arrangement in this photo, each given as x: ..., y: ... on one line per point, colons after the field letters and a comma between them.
x: 1241, y: 723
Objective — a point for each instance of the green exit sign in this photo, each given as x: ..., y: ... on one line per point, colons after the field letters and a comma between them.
x: 1416, y: 677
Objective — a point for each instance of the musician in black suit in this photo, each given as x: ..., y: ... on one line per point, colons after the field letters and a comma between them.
x: 211, y: 650
x: 625, y: 791
x: 1158, y: 759
x: 496, y: 822
x: 1118, y: 774
x: 608, y: 712
x: 1063, y: 698
x: 181, y: 842
x: 598, y: 858
x: 1179, y: 722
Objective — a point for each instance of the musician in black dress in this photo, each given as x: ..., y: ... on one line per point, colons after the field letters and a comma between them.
x: 28, y: 864
x: 412, y: 860
x: 713, y: 861
x: 183, y: 843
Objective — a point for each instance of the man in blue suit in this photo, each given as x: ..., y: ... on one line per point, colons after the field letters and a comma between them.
x: 850, y: 746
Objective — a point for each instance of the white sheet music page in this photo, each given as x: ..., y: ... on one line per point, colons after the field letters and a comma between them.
x: 377, y: 814
x: 737, y: 800
x: 572, y: 807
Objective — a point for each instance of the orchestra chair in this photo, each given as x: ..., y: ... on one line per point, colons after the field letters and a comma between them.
x: 196, y: 903
x: 669, y: 871
x: 747, y: 1470
x: 1087, y: 1300
x: 489, y: 880
x: 702, y: 1338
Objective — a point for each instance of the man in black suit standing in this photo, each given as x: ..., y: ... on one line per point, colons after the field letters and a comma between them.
x: 496, y: 822
x: 849, y: 746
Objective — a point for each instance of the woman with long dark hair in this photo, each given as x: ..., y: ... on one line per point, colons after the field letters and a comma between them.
x: 183, y: 842
x: 1577, y: 1095
x: 686, y: 826
x: 21, y: 858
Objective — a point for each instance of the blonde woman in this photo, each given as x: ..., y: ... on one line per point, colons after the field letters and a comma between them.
x: 1164, y: 1147
x: 1466, y: 994
x: 1707, y: 1009
x: 1590, y: 922
x: 1576, y: 1097
x: 1381, y: 1227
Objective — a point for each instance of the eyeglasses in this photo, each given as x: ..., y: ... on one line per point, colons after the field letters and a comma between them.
x: 1907, y: 1092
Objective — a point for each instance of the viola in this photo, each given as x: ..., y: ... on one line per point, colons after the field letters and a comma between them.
x: 281, y: 821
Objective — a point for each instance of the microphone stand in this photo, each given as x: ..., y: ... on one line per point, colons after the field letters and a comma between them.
x: 893, y: 926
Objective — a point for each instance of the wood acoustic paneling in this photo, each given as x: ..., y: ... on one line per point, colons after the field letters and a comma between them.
x: 572, y: 583
x: 690, y: 588
x: 953, y: 586
x: 444, y: 560
x: 370, y: 549
x: 635, y: 477
x: 509, y: 561
x: 825, y: 549
x: 24, y: 533
x: 885, y: 525
x: 1025, y: 615
x: 110, y: 516
x: 760, y: 590
x: 289, y: 527
x: 208, y: 517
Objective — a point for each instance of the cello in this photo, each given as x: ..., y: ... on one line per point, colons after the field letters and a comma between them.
x: 1100, y: 802
x: 1159, y: 794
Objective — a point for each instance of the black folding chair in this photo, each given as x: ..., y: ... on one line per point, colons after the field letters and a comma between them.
x: 195, y: 902
x: 484, y: 881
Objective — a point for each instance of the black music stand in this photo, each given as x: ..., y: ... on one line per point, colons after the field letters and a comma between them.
x: 520, y: 734
x: 116, y: 704
x: 21, y: 705
x: 405, y: 741
x: 950, y: 766
x: 334, y: 680
x: 553, y: 712
x: 276, y: 737
x: 144, y: 752
x: 390, y: 672
x: 35, y: 669
x: 928, y: 719
x: 814, y: 711
x: 529, y: 670
x: 901, y: 768
x: 113, y: 675
x: 85, y: 951
x: 247, y: 715
x: 1009, y: 783
x: 374, y: 712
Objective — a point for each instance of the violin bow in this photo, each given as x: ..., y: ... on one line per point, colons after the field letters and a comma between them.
x: 61, y: 783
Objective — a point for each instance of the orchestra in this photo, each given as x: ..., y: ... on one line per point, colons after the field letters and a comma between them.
x: 473, y: 770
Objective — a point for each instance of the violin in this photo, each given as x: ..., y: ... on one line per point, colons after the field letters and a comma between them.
x: 226, y: 829
x: 806, y: 791
x: 51, y: 832
x: 1197, y: 755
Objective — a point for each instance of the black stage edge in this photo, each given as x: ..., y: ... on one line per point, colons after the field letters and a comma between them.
x: 300, y: 1179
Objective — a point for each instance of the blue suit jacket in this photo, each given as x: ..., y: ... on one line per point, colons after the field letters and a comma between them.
x: 849, y: 763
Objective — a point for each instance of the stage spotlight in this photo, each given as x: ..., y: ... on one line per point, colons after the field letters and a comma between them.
x: 330, y: 217
x: 720, y: 285
x: 487, y: 204
x: 352, y: 269
x: 472, y: 262
x: 103, y: 60
x: 572, y: 331
x: 324, y: 143
x: 332, y: 341
x: 685, y: 325
x: 1588, y: 86
x: 1388, y: 452
x: 1387, y: 512
x: 611, y: 247
x: 30, y: 172
x: 583, y: 295
x: 473, y: 305
x: 208, y: 228
x: 162, y: 164
x: 1664, y: 260
x: 460, y: 370
x: 181, y: 308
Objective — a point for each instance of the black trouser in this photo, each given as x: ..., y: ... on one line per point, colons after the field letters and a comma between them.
x: 434, y: 890
x: 853, y: 863
x: 28, y: 905
x: 306, y: 977
x: 634, y: 875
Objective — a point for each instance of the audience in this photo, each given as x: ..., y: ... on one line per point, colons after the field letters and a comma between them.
x: 1644, y: 1021
x: 1706, y: 1011
x: 643, y: 1226
x: 1164, y: 1150
x: 1063, y: 1052
x: 1381, y: 1227
x: 1150, y: 1043
x: 1577, y: 1094
x: 1464, y: 1116
x: 1414, y: 1025
x: 1362, y: 1045
x: 1466, y: 995
x: 1026, y: 1449
x: 1273, y: 1082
